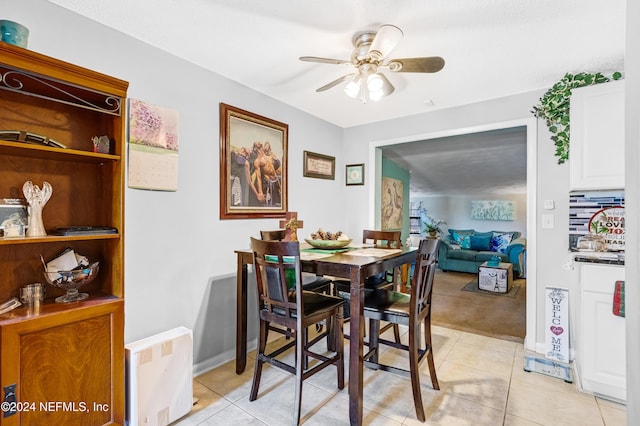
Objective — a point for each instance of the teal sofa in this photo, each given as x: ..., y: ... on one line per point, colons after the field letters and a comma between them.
x: 464, y: 250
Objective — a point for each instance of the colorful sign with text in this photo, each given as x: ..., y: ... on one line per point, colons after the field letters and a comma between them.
x: 557, y: 324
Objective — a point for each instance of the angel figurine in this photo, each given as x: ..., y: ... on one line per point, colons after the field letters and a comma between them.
x: 36, y: 198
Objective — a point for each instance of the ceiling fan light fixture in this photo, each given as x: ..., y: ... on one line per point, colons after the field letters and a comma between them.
x: 375, y: 82
x: 385, y: 90
x: 376, y: 95
x: 394, y: 66
x: 368, y: 86
x: 386, y: 39
x: 372, y: 49
x: 352, y: 89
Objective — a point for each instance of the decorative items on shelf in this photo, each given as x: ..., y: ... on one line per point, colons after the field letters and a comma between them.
x: 10, y: 305
x: 70, y: 271
x: 100, y: 144
x: 32, y: 294
x: 37, y: 198
x: 13, y: 217
x: 14, y: 33
x: 29, y: 137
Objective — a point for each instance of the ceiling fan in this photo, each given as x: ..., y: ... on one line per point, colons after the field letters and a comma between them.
x: 370, y: 55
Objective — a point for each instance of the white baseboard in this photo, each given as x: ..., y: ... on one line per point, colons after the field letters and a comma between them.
x: 216, y: 361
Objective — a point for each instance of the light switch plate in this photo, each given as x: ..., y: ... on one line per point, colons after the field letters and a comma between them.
x: 548, y: 205
x: 547, y: 221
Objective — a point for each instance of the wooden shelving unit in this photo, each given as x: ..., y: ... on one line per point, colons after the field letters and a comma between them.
x: 70, y: 353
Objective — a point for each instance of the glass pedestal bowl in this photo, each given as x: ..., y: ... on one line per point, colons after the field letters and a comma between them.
x: 71, y: 281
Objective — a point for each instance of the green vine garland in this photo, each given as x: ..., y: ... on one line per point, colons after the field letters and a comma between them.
x: 554, y: 107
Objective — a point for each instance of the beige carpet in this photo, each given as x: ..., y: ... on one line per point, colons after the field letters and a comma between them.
x: 490, y: 315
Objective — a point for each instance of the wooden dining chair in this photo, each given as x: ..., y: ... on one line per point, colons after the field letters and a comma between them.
x: 412, y: 310
x: 381, y: 239
x: 283, y: 301
x: 310, y: 281
x: 386, y: 239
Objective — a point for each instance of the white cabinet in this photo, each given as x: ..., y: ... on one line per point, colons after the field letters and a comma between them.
x: 601, y: 357
x: 596, y: 150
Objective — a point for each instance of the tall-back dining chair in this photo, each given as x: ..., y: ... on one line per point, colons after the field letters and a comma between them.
x: 310, y: 281
x: 411, y: 310
x: 283, y: 302
x: 381, y: 239
x: 386, y: 239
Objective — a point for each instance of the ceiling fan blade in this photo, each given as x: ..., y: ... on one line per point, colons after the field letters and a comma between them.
x: 324, y: 60
x: 428, y: 64
x: 386, y: 39
x: 335, y: 82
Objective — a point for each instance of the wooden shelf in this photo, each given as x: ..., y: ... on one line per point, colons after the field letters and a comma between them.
x: 80, y: 343
x: 50, y: 153
x: 50, y: 307
x: 57, y: 239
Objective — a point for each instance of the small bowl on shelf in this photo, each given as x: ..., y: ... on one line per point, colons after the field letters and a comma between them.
x: 71, y: 281
x: 328, y: 244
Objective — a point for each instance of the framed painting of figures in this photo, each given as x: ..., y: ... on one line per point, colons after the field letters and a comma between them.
x: 253, y: 165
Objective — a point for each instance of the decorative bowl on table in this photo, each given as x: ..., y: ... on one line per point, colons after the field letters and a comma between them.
x: 72, y: 280
x: 328, y: 244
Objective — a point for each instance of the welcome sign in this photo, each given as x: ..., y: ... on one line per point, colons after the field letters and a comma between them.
x: 557, y: 324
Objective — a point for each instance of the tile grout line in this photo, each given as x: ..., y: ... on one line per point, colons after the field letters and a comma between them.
x: 506, y: 401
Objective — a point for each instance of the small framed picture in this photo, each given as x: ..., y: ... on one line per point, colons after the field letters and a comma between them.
x: 355, y: 174
x: 13, y: 211
x: 319, y: 166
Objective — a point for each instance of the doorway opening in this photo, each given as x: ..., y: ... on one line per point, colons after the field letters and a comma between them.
x: 375, y: 176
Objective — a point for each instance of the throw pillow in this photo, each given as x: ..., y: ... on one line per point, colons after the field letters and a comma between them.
x: 500, y: 242
x: 465, y: 242
x: 456, y: 238
x: 480, y: 243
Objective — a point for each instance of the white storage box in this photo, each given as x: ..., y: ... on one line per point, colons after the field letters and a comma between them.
x: 495, y: 278
x: 159, y: 378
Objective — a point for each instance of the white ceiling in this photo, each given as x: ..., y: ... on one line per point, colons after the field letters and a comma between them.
x: 487, y: 162
x: 492, y: 48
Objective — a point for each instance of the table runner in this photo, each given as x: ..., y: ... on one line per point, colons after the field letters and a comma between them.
x: 373, y: 252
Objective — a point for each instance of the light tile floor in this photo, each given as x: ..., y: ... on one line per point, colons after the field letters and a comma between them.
x: 482, y: 382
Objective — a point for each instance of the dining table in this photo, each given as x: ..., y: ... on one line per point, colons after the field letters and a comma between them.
x: 354, y: 264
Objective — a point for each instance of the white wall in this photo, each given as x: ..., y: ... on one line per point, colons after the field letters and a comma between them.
x: 456, y: 211
x: 632, y: 203
x: 436, y: 206
x: 179, y: 257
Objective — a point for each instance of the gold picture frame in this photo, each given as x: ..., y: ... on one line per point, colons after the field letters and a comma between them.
x: 319, y: 166
x: 253, y: 165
